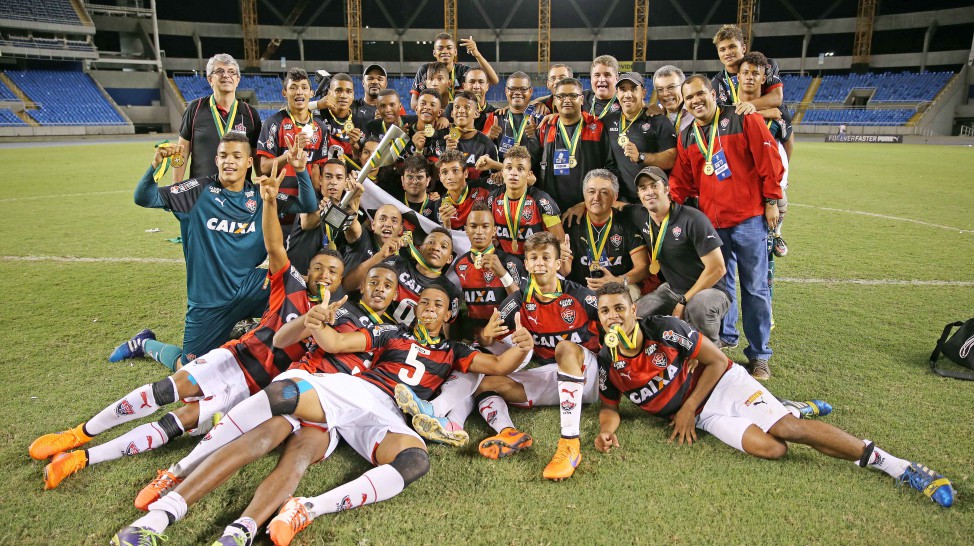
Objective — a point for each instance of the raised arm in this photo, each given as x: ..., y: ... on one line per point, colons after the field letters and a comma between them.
x: 273, y: 236
x: 509, y: 360
x: 147, y: 190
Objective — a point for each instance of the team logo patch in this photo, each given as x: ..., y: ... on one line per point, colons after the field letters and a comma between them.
x: 240, y: 127
x: 724, y: 123
x: 591, y: 300
x: 251, y: 205
x: 567, y: 405
x: 565, y: 303
x: 754, y: 399
x: 124, y: 408
x: 488, y: 275
x: 345, y: 504
x: 677, y: 230
x: 684, y: 342
x: 659, y: 360
x: 131, y: 449
x: 286, y: 126
x: 568, y: 315
x: 650, y: 349
x: 615, y: 107
x: 616, y: 240
x: 543, y: 202
x: 527, y: 214
x: 619, y: 364
x: 591, y: 127
x: 462, y: 267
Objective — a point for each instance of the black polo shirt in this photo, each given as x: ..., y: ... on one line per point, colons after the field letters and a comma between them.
x: 600, y: 108
x: 624, y: 238
x: 199, y: 128
x: 650, y: 134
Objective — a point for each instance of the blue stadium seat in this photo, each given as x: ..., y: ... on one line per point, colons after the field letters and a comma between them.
x: 858, y: 116
x: 84, y: 105
x: 890, y: 87
x: 49, y: 11
x: 9, y: 119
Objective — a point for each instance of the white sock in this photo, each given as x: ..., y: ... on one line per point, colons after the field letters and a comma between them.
x: 241, y: 526
x: 570, y: 399
x: 237, y: 422
x: 461, y: 411
x: 169, y: 508
x: 493, y: 409
x: 379, y: 484
x: 142, y: 438
x: 889, y: 464
x: 134, y: 405
x: 457, y: 388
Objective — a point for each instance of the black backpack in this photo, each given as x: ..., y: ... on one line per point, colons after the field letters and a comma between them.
x: 959, y: 348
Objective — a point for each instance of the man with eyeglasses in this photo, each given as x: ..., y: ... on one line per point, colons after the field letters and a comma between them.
x: 207, y: 119
x: 515, y: 127
x: 667, y: 81
x: 574, y: 143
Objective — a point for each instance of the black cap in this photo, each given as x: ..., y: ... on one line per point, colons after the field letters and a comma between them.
x: 372, y: 67
x: 633, y: 77
x: 655, y: 173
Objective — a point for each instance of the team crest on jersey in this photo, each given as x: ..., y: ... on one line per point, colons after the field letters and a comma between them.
x: 645, y: 126
x: 677, y: 230
x: 124, y: 408
x: 724, y: 123
x: 568, y: 315
x: 214, y: 189
x: 615, y: 107
x: 527, y: 214
x: 185, y: 186
x: 240, y: 127
x: 659, y: 360
x: 592, y: 127
x: 591, y: 300
x: 488, y: 275
x: 616, y: 240
x: 251, y: 205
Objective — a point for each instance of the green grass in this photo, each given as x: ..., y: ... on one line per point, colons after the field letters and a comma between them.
x: 863, y: 348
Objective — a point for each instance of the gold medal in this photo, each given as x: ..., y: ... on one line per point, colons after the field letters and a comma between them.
x: 406, y: 239
x: 178, y: 161
x: 708, y: 169
x: 611, y: 340
x: 429, y: 131
x: 572, y: 162
x: 478, y: 261
x: 623, y: 141
x: 349, y: 126
x: 654, y: 267
x: 514, y: 247
x: 594, y: 266
x: 455, y: 132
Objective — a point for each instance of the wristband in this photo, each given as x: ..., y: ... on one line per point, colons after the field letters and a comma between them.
x: 683, y: 300
x: 507, y: 280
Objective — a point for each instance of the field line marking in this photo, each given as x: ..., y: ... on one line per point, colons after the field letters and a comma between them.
x: 873, y: 282
x: 32, y: 197
x: 885, y: 217
x: 90, y: 260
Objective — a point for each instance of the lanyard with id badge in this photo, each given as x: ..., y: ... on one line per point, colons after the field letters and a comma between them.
x: 714, y: 163
x: 509, y: 141
x: 565, y: 157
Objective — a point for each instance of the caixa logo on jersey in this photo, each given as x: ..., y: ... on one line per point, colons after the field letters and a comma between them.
x: 228, y: 226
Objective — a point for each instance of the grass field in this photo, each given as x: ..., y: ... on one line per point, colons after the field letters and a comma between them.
x: 862, y: 347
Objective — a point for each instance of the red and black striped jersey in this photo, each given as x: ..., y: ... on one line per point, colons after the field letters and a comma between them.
x: 411, y: 283
x: 656, y: 380
x: 476, y: 193
x: 482, y: 288
x: 400, y: 358
x: 572, y: 316
x: 349, y: 318
x: 537, y: 205
x: 335, y: 128
x: 260, y: 361
x: 279, y: 130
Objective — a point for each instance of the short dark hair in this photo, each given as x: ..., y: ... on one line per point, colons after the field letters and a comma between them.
x: 336, y: 161
x: 539, y: 240
x: 444, y: 36
x: 387, y: 267
x: 444, y: 231
x: 341, y: 77
x: 465, y: 95
x: 613, y: 288
x: 416, y: 162
x: 452, y: 156
x: 569, y: 81
x: 388, y: 91
x: 756, y: 59
x: 235, y: 136
x: 729, y: 32
x: 701, y: 77
x: 518, y: 75
x: 481, y: 206
x: 295, y: 75
x: 331, y: 253
x: 432, y: 93
x: 433, y: 68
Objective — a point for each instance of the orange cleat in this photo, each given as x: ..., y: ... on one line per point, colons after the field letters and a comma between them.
x: 165, y: 482
x: 50, y: 445
x: 62, y: 466
x: 292, y: 518
x: 566, y: 458
x: 508, y: 442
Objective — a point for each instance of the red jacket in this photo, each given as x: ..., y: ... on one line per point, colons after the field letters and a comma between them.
x: 752, y: 156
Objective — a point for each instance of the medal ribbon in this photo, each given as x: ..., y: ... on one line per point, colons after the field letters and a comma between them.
x: 623, y: 128
x: 484, y: 252
x: 463, y: 196
x: 708, y: 152
x: 414, y: 252
x: 732, y: 86
x: 533, y: 289
x: 163, y: 167
x: 221, y: 127
x: 513, y: 222
x: 604, y: 110
x: 422, y: 207
x: 597, y: 244
x: 679, y: 116
x: 453, y: 81
x: 518, y: 131
x: 376, y: 318
x: 423, y: 335
x: 339, y: 123
x: 658, y: 242
x: 329, y: 238
x: 571, y: 143
x: 630, y: 343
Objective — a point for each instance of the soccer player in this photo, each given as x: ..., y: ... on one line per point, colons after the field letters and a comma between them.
x: 445, y: 51
x: 645, y: 360
x: 637, y: 139
x: 520, y: 208
x: 601, y: 98
x: 561, y: 316
x: 207, y: 119
x: 219, y: 221
x: 415, y: 186
x: 605, y: 246
x: 460, y: 197
x: 731, y: 161
x: 381, y: 240
x: 517, y: 126
x: 729, y: 42
x: 420, y: 268
x: 475, y: 83
x: 479, y: 151
x: 424, y: 133
x: 574, y: 143
x: 388, y: 115
x: 438, y: 82
x: 359, y: 409
x: 339, y: 118
x: 217, y: 380
x: 668, y: 82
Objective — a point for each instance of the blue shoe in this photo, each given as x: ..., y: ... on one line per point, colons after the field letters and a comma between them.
x: 133, y: 348
x: 138, y: 536
x: 410, y: 404
x: 807, y: 409
x: 928, y: 482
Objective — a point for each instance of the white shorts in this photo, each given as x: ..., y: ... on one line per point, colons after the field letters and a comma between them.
x: 541, y: 383
x: 739, y: 401
x: 222, y: 381
x: 784, y: 166
x: 355, y: 410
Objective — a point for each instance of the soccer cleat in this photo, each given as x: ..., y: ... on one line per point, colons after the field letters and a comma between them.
x: 780, y: 246
x: 760, y: 369
x: 508, y: 442
x: 807, y: 409
x: 133, y: 348
x: 236, y: 539
x: 137, y: 536
x: 724, y: 346
x: 62, y: 466
x: 928, y: 482
x: 410, y: 404
x: 51, y: 444
x: 292, y: 518
x: 567, y: 457
x: 164, y: 482
x: 440, y: 430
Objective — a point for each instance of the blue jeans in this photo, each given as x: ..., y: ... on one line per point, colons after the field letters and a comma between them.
x: 745, y: 251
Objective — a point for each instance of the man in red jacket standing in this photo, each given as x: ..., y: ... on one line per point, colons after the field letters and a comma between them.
x: 732, y: 163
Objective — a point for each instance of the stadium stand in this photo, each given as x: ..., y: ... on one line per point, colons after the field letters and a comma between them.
x: 36, y: 42
x: 51, y: 11
x: 795, y: 87
x: 9, y: 119
x: 6, y: 93
x: 852, y: 116
x: 902, y: 87
x: 83, y: 105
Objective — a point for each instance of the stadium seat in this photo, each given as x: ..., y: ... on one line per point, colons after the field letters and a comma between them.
x: 9, y: 119
x: 48, y: 11
x: 890, y: 87
x: 84, y: 105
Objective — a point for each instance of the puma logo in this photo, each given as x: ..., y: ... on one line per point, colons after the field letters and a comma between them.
x: 569, y: 393
x: 626, y: 375
x: 145, y: 400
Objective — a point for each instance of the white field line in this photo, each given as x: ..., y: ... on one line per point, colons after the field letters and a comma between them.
x: 886, y: 217
x: 90, y: 260
x: 33, y: 197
